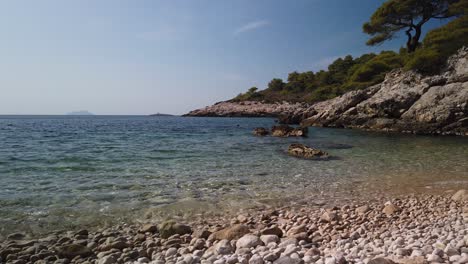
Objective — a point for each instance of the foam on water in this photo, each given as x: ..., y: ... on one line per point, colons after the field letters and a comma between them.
x: 63, y: 172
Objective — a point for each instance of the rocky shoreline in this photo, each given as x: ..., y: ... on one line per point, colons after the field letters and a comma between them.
x: 405, y: 102
x: 249, y: 109
x: 412, y: 229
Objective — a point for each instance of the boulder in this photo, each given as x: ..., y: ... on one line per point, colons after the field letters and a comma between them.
x: 274, y: 230
x: 224, y: 247
x: 302, y: 151
x: 150, y: 228
x: 230, y: 233
x: 267, y: 239
x: 248, y: 241
x: 170, y: 228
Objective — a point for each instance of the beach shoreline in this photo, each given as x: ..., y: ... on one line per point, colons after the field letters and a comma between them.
x: 416, y: 228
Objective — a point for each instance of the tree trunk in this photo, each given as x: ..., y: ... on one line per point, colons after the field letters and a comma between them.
x: 408, y: 42
x: 413, y: 42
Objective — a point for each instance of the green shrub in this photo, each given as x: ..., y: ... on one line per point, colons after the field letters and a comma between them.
x: 426, y: 61
x: 438, y: 45
x: 374, y: 70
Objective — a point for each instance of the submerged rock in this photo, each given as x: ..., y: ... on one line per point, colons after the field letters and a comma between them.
x: 170, y: 228
x: 302, y: 151
x: 260, y: 131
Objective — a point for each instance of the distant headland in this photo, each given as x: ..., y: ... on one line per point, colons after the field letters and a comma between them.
x: 80, y: 113
x: 159, y: 114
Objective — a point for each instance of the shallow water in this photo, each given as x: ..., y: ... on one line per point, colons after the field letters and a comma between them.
x: 62, y: 172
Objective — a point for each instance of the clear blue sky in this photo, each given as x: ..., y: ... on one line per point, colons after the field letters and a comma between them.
x: 143, y: 57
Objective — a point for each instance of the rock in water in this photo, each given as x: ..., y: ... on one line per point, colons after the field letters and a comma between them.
x: 302, y: 151
x: 287, y: 131
x: 260, y: 131
x: 299, y: 132
x: 281, y: 131
x: 170, y: 228
x: 290, y: 119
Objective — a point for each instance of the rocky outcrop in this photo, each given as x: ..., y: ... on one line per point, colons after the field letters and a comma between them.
x: 404, y: 102
x: 250, y: 109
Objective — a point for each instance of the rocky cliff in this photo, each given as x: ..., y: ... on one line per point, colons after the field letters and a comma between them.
x: 405, y: 102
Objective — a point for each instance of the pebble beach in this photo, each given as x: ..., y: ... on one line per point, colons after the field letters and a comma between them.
x: 418, y: 228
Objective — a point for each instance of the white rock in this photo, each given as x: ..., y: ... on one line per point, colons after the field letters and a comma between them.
x: 171, y: 252
x: 107, y: 260
x: 223, y: 247
x: 248, y: 241
x: 256, y: 259
x: 267, y: 239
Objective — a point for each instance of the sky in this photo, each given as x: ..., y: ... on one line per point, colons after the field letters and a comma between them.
x: 138, y: 57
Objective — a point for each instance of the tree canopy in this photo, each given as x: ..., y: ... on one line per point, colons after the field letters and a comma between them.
x: 348, y: 73
x: 408, y: 15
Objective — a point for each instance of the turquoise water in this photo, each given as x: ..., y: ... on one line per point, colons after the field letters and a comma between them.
x: 62, y: 172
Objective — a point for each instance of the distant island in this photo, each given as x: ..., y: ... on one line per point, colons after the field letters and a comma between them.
x: 80, y: 113
x: 159, y: 114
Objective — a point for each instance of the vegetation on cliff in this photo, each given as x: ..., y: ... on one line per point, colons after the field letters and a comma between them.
x: 348, y: 73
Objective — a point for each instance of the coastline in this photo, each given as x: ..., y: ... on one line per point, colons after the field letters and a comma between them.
x: 405, y: 102
x: 416, y: 228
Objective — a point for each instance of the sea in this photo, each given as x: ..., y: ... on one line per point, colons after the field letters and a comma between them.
x: 70, y: 172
